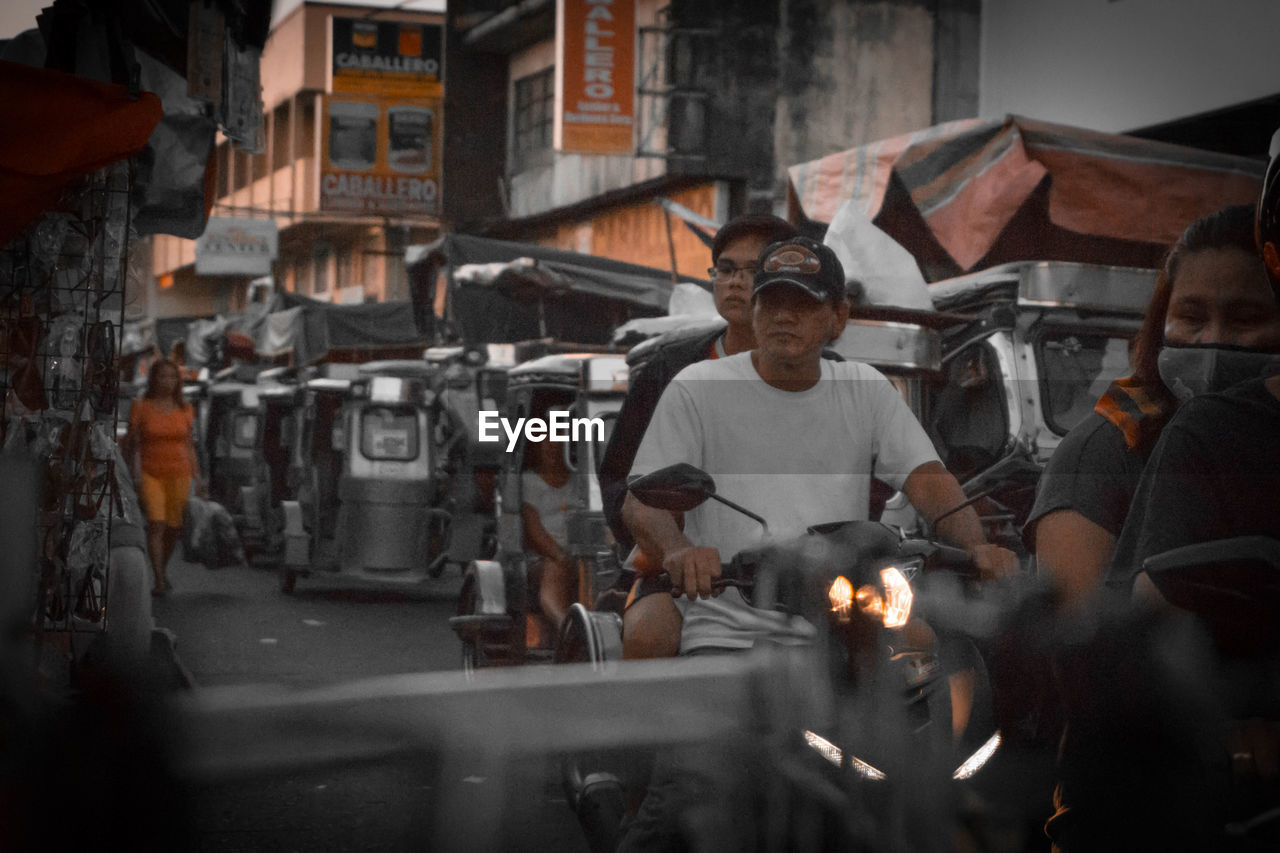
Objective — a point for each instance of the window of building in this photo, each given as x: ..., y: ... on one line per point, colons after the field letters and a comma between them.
x: 346, y: 266
x: 244, y: 169
x: 281, y: 137
x: 224, y: 169
x: 306, y: 132
x: 532, y: 119
x: 321, y: 253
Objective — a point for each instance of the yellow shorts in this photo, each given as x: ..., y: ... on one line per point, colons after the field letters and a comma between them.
x: 164, y: 499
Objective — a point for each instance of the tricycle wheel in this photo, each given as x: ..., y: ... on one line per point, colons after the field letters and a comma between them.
x: 487, y: 647
x: 288, y: 580
x: 589, y: 636
x: 470, y: 658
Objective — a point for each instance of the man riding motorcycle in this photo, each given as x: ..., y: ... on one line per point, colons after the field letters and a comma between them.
x: 795, y: 437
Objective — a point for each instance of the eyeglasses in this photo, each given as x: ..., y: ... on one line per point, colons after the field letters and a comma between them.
x: 726, y: 271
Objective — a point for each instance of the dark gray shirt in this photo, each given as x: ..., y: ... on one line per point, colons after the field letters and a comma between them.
x: 1214, y: 474
x: 1092, y: 472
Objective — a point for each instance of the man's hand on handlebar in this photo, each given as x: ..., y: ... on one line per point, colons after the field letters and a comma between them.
x: 692, y: 571
x: 994, y: 562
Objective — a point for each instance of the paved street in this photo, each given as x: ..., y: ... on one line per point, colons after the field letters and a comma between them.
x: 234, y: 627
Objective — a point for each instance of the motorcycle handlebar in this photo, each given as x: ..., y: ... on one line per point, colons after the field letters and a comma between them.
x: 731, y: 576
x: 955, y: 559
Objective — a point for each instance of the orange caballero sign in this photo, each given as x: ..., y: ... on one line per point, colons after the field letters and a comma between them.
x: 380, y: 155
x: 596, y: 41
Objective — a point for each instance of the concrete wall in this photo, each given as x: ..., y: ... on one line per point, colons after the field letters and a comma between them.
x: 851, y: 73
x: 794, y: 80
x: 1117, y: 65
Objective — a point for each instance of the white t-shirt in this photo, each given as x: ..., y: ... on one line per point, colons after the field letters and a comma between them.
x: 795, y: 458
x: 552, y: 504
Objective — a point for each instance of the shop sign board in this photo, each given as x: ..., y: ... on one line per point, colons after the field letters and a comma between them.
x: 380, y: 155
x: 390, y: 58
x: 231, y: 246
x: 595, y: 71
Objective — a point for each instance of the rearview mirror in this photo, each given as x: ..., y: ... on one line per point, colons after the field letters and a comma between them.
x: 675, y: 488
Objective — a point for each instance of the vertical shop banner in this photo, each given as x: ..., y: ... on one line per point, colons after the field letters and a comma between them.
x: 596, y: 41
x: 380, y: 155
x: 389, y: 58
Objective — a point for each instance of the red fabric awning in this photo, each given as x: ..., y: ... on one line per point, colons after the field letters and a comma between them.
x: 56, y: 128
x: 969, y: 194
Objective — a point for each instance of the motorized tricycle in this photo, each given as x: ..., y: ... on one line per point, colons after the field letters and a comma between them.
x: 230, y: 440
x: 369, y: 500
x: 279, y: 415
x: 470, y: 381
x: 499, y: 620
x: 1043, y: 341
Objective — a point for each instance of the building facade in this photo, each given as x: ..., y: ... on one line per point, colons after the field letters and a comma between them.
x: 348, y: 167
x: 727, y: 94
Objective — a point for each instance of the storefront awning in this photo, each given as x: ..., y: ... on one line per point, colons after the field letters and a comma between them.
x: 501, y: 292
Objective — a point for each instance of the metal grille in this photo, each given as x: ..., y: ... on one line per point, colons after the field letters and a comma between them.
x: 62, y: 300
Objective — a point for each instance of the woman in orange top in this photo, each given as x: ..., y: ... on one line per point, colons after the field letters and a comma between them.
x: 165, y: 462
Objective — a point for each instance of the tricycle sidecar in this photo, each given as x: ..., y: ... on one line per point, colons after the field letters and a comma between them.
x: 230, y: 439
x: 499, y: 620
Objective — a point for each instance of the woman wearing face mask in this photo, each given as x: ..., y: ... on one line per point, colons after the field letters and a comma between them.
x: 1215, y: 473
x: 1212, y: 322
x: 1142, y: 764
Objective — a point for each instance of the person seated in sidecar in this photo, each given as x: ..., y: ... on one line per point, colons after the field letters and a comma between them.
x: 790, y: 435
x: 547, y: 493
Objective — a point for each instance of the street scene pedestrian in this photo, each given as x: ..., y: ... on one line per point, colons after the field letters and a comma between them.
x: 614, y: 425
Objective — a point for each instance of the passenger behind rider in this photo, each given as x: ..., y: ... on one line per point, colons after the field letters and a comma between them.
x: 547, y: 492
x: 1210, y: 293
x: 792, y: 436
x: 734, y: 251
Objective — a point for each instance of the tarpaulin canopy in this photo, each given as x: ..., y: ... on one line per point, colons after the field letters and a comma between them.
x: 497, y: 291
x: 60, y: 128
x: 970, y: 194
x: 312, y: 329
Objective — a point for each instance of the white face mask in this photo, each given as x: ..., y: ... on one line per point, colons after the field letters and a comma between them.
x: 1192, y: 370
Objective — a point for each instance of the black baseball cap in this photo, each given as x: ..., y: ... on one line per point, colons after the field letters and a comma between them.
x: 803, y: 263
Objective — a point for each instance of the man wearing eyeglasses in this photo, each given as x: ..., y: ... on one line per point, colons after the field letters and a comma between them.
x: 734, y: 253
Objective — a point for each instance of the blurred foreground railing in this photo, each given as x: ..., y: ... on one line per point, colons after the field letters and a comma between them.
x: 489, y: 722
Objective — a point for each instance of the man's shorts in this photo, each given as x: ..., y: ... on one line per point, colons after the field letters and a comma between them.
x: 164, y: 499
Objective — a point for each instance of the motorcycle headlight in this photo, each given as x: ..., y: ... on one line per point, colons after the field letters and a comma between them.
x: 897, y: 597
x: 840, y: 596
x: 893, y: 607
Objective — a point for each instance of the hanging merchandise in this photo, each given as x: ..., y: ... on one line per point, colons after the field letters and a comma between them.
x: 61, y: 319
